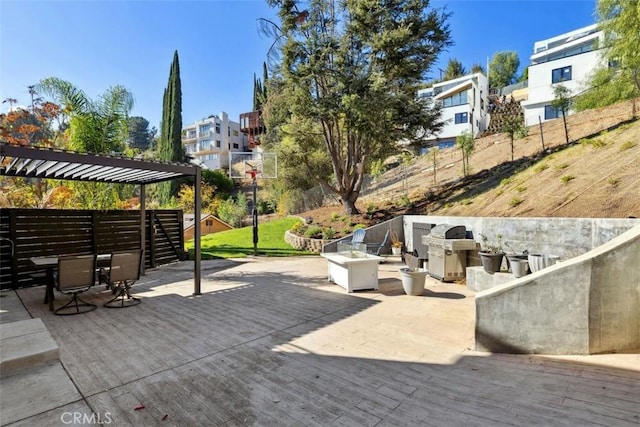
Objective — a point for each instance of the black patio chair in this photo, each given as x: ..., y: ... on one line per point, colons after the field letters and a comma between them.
x: 123, y: 272
x: 76, y: 274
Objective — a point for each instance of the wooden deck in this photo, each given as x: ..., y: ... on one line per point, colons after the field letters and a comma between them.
x: 271, y: 342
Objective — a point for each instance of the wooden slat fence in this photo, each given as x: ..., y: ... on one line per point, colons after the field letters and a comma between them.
x: 25, y: 233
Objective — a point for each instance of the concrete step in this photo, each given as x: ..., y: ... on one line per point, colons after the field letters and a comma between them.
x: 26, y: 344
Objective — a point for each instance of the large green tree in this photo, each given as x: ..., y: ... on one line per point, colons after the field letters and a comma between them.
x: 96, y: 126
x: 349, y: 75
x: 620, y: 20
x: 170, y: 144
x: 503, y: 69
x: 454, y: 70
x: 139, y: 134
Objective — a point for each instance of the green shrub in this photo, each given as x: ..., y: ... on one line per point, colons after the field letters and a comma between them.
x: 404, y: 201
x: 539, y: 168
x: 595, y: 143
x: 506, y: 181
x: 515, y: 202
x: 567, y: 178
x: 313, y: 232
x: 358, y: 226
x: 613, y: 181
x: 299, y: 228
x: 328, y: 233
x: 233, y: 211
x: 521, y: 188
x: 219, y: 180
x: 371, y: 208
x: 627, y: 145
x: 561, y: 166
x: 335, y: 216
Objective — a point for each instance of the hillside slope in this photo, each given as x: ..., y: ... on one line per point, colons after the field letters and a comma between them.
x: 596, y: 175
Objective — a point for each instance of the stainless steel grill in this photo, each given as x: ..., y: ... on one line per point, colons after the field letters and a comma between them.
x: 447, y: 251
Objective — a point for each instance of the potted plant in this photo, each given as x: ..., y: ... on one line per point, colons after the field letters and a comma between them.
x: 491, y: 255
x: 396, y: 243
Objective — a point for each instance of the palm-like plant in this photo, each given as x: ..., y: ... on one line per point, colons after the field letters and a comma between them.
x: 96, y: 126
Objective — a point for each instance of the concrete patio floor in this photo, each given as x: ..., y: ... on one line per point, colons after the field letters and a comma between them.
x: 271, y: 342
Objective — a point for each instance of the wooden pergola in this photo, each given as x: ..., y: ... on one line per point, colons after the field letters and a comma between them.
x: 48, y: 163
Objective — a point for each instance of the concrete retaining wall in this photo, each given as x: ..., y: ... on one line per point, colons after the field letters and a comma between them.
x: 585, y: 305
x: 565, y: 237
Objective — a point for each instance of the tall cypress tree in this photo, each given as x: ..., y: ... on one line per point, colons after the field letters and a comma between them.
x: 265, y: 80
x: 170, y: 144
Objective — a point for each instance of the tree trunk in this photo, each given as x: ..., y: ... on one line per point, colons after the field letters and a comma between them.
x: 512, y: 148
x: 566, y: 131
x: 349, y: 203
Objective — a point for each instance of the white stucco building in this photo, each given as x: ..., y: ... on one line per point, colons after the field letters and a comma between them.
x: 464, y: 101
x: 567, y: 59
x: 211, y: 140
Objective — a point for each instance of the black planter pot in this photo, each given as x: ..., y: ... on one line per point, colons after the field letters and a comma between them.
x: 491, y: 262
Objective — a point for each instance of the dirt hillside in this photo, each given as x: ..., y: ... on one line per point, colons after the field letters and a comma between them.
x: 595, y: 175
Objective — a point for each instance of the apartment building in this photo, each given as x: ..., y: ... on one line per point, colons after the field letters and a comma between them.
x: 465, y: 103
x: 567, y: 59
x: 210, y: 140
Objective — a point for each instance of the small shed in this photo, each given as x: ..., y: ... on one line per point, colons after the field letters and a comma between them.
x: 208, y: 224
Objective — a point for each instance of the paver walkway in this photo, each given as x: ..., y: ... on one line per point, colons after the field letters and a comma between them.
x: 271, y: 342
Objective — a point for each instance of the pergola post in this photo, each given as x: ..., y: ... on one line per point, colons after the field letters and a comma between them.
x: 196, y: 236
x: 143, y: 225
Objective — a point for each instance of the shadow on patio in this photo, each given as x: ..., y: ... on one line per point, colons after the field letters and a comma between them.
x: 270, y: 342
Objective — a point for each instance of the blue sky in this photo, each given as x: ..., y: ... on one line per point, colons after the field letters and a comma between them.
x: 95, y: 44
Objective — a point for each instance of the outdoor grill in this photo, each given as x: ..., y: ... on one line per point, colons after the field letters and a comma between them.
x: 447, y: 251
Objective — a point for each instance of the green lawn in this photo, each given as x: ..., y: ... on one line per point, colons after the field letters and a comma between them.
x: 238, y: 243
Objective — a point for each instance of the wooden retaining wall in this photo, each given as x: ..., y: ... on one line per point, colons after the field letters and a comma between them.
x: 25, y: 233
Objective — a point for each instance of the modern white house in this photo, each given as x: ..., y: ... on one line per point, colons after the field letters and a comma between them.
x: 465, y: 107
x: 210, y: 140
x: 567, y: 59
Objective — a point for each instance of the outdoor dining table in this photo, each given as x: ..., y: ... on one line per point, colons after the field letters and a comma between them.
x: 50, y: 263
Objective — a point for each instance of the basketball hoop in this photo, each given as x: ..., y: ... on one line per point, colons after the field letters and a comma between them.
x: 253, y: 173
x: 257, y: 165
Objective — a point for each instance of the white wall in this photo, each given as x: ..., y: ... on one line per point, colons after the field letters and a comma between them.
x: 540, y: 86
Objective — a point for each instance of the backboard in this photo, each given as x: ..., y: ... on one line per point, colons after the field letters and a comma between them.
x: 244, y: 165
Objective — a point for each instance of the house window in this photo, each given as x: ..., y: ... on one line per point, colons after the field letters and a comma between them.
x: 235, y: 145
x: 218, y: 144
x: 551, y: 112
x: 561, y: 74
x: 204, y: 129
x: 205, y: 144
x: 217, y: 128
x: 457, y: 99
x: 462, y: 118
x: 228, y: 131
x: 208, y: 222
x: 235, y: 133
